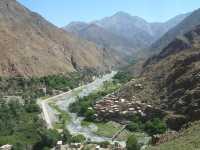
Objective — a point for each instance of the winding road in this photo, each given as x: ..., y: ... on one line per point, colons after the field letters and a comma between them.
x: 64, y: 100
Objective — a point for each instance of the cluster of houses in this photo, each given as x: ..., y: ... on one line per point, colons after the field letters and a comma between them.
x: 80, y: 146
x: 112, y: 106
x: 72, y: 146
x: 6, y: 147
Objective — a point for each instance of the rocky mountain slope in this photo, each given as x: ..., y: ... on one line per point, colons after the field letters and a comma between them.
x: 132, y: 27
x: 122, y: 32
x: 170, y: 81
x: 102, y: 37
x: 186, y: 25
x: 176, y: 73
x: 188, y: 139
x: 31, y: 46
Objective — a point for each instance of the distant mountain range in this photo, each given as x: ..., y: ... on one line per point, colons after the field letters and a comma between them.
x: 122, y: 32
x: 31, y: 46
x: 186, y: 25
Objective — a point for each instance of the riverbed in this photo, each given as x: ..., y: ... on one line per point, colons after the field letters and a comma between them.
x: 63, y: 102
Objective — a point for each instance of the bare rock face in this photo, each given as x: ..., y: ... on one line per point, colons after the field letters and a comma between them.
x: 31, y: 46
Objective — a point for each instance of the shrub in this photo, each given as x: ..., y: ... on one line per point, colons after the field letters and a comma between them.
x: 49, y: 138
x: 90, y: 115
x: 133, y: 127
x: 155, y: 126
x: 122, y: 77
x: 78, y: 139
x: 104, y: 144
x: 66, y: 136
x: 132, y: 143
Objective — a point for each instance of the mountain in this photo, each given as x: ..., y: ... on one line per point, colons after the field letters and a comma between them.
x: 159, y: 29
x: 75, y: 27
x: 169, y: 81
x: 175, y: 72
x: 123, y: 33
x: 192, y: 20
x: 135, y: 27
x: 130, y: 27
x: 102, y: 38
x: 31, y: 46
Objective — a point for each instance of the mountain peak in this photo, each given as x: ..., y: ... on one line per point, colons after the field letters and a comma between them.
x: 30, y: 45
x: 122, y: 14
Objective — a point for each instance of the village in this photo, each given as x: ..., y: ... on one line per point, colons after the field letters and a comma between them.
x: 87, y: 146
x: 113, y: 107
x: 76, y: 146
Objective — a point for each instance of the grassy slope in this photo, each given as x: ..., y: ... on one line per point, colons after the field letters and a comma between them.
x: 105, y: 129
x: 64, y: 117
x: 189, y: 140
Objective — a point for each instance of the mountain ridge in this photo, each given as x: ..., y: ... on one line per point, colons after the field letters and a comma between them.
x: 192, y: 20
x: 31, y: 46
x: 126, y: 33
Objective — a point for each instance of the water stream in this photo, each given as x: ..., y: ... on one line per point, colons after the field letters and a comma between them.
x: 75, y: 126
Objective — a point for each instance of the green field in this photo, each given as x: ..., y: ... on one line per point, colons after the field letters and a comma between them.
x: 108, y: 129
x: 188, y: 140
x: 64, y: 117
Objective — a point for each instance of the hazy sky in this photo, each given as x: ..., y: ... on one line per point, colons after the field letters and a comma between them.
x: 61, y: 12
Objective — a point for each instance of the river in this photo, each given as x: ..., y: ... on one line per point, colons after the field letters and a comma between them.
x: 64, y: 100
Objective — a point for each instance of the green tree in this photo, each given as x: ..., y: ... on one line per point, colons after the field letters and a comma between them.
x: 104, y: 144
x: 133, y: 126
x: 132, y: 143
x: 90, y: 115
x: 78, y: 139
x: 155, y: 126
x: 66, y: 136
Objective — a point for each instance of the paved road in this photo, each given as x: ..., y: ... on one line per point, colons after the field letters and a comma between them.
x: 46, y: 115
x: 65, y: 99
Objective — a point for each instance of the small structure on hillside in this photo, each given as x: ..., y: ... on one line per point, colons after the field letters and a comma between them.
x: 59, y: 145
x: 163, y: 138
x: 97, y: 147
x: 76, y: 145
x: 6, y: 147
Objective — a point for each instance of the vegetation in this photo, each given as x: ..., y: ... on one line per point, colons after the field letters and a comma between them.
x: 32, y: 88
x: 78, y: 139
x: 68, y: 81
x: 106, y: 129
x: 189, y: 140
x: 83, y: 106
x: 66, y: 136
x: 104, y: 144
x: 21, y: 126
x: 153, y: 126
x: 64, y: 117
x: 122, y: 77
x: 132, y: 143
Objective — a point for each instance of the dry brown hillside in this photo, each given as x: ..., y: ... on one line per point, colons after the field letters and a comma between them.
x: 170, y: 81
x: 176, y: 70
x: 31, y: 46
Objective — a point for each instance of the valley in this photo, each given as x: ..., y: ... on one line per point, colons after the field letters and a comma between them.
x: 121, y: 82
x: 57, y: 107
